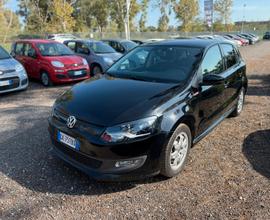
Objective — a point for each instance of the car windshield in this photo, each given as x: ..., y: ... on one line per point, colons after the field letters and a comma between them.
x: 54, y: 49
x: 167, y: 64
x: 4, y: 54
x: 99, y: 47
x: 129, y: 45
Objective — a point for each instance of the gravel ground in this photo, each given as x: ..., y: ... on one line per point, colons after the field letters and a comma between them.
x: 227, y: 176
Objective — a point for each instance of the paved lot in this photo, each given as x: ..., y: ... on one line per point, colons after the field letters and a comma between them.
x: 227, y: 176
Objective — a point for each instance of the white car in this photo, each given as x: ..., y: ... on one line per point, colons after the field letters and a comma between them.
x: 13, y: 76
x: 61, y: 38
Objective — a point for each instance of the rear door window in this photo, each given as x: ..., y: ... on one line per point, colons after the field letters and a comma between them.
x: 230, y: 55
x: 71, y: 45
x: 19, y: 49
x: 212, y: 62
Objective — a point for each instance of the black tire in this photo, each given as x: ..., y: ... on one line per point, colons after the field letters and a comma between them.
x: 96, y: 69
x: 240, y: 101
x: 166, y: 160
x: 45, y: 79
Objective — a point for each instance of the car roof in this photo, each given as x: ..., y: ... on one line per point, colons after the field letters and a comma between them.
x: 116, y: 40
x: 83, y: 40
x: 202, y: 43
x: 36, y: 41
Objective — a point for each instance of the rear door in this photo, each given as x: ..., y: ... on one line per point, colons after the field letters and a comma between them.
x: 82, y: 49
x: 233, y: 74
x: 211, y: 96
x: 31, y: 61
x: 19, y: 52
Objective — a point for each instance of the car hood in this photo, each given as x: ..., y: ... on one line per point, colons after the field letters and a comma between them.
x: 66, y: 60
x: 108, y: 101
x: 113, y: 56
x: 8, y: 64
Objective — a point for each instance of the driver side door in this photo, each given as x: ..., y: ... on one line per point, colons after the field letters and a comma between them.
x: 211, y: 97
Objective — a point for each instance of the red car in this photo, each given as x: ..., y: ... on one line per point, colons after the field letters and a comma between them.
x: 50, y: 61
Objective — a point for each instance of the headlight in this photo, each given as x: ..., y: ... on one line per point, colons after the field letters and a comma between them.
x: 19, y: 68
x: 108, y: 60
x: 57, y: 64
x: 130, y: 130
x: 85, y: 62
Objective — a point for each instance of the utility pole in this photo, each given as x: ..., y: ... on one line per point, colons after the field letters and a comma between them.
x: 243, y: 20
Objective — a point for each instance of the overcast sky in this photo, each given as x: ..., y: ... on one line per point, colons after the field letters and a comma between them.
x: 255, y: 10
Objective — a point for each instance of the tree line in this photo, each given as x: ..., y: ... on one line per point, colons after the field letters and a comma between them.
x: 46, y: 16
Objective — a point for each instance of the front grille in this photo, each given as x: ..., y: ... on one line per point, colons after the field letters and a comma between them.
x: 89, y: 128
x: 15, y: 82
x: 81, y: 158
x: 71, y: 74
x: 7, y: 71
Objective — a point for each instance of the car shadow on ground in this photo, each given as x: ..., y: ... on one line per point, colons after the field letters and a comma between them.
x: 256, y: 149
x: 260, y: 88
x: 26, y: 158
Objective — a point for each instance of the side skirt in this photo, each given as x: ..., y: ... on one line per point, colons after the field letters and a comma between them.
x: 216, y: 123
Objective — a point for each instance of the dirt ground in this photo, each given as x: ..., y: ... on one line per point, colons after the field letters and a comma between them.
x: 227, y: 176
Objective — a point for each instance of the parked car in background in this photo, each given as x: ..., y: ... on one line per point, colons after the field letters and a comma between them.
x: 61, y: 37
x: 242, y: 40
x: 99, y: 55
x: 255, y: 37
x: 50, y: 61
x: 250, y: 39
x: 139, y: 42
x: 149, y: 108
x: 13, y: 76
x: 121, y: 46
x: 266, y: 36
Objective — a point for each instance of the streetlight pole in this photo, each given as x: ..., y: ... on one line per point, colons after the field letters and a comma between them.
x: 127, y: 30
x: 243, y: 20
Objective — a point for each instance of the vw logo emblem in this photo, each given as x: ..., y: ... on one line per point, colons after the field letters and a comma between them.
x: 71, y: 121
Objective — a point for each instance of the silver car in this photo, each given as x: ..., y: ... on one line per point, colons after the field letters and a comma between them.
x: 13, y: 76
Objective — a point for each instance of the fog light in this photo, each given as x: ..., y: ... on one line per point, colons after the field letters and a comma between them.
x: 131, y: 163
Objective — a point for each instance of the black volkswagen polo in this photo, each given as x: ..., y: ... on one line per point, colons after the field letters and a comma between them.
x: 142, y: 117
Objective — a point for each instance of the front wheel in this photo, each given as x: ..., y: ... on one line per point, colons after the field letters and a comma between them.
x: 175, y: 153
x: 96, y: 70
x: 240, y: 103
x: 45, y: 79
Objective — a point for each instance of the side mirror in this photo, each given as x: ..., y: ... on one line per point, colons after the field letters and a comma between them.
x: 212, y: 79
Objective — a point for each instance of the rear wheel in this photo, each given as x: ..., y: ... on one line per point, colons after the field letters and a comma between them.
x: 240, y: 103
x: 96, y: 70
x: 175, y: 154
x: 45, y: 79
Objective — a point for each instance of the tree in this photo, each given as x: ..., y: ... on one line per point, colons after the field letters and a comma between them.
x: 100, y: 11
x: 119, y: 12
x: 165, y: 10
x: 61, y: 16
x: 186, y: 11
x: 224, y: 9
x: 142, y: 21
x: 163, y: 23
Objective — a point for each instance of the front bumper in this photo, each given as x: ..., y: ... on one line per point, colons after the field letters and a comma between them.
x: 67, y: 75
x: 98, y: 161
x: 19, y: 82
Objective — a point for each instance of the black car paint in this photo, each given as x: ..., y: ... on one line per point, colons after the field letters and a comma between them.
x: 113, y: 101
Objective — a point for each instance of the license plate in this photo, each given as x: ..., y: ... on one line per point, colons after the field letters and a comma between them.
x: 77, y: 73
x: 5, y: 83
x: 66, y: 139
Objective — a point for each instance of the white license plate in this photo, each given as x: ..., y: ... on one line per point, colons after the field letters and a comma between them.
x: 77, y: 73
x: 66, y: 139
x: 5, y: 83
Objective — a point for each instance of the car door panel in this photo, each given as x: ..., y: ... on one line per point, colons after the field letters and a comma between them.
x: 211, y: 97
